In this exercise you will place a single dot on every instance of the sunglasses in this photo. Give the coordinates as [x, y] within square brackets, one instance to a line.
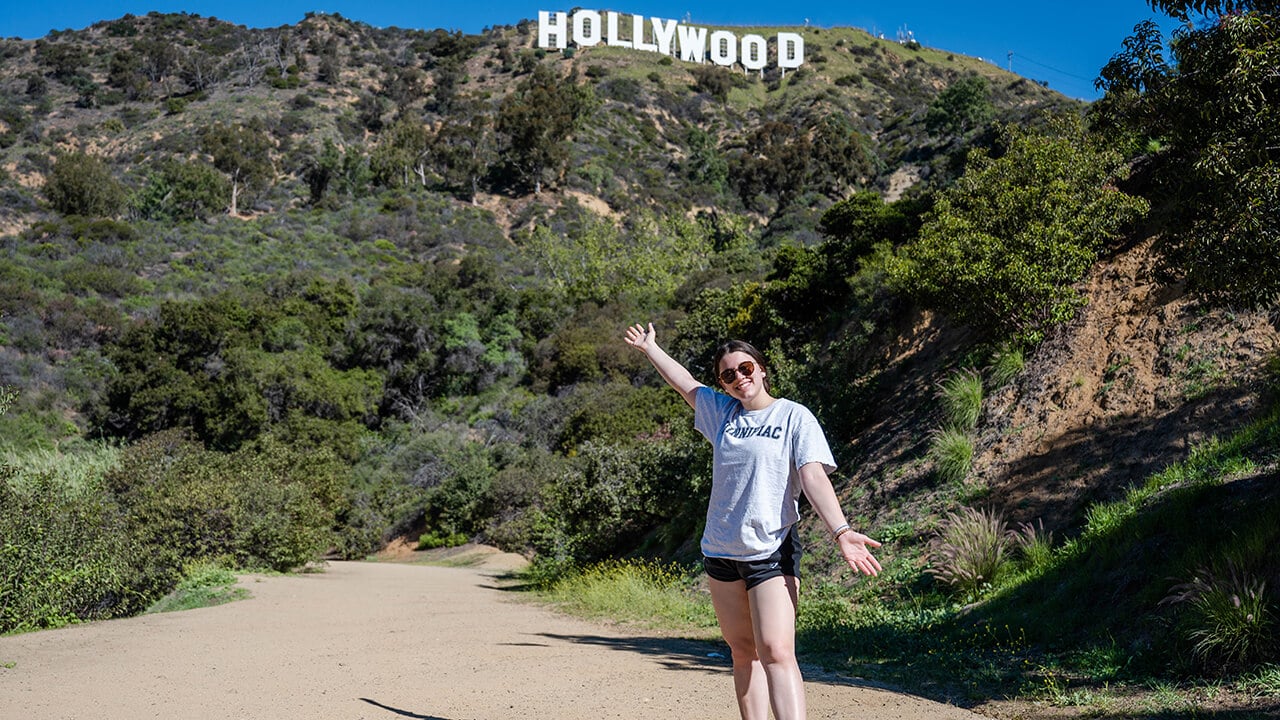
[728, 374]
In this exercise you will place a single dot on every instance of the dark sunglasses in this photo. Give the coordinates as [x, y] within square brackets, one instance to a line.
[728, 374]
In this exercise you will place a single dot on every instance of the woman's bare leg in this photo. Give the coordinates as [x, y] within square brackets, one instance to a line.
[773, 615]
[733, 611]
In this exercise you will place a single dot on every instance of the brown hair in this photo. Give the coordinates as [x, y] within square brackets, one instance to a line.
[738, 346]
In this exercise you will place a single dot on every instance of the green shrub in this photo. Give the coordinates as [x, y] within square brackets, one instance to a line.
[1035, 544]
[970, 555]
[646, 592]
[1003, 246]
[204, 583]
[952, 453]
[263, 506]
[434, 539]
[64, 556]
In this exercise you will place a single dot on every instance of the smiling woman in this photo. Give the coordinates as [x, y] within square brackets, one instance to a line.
[766, 451]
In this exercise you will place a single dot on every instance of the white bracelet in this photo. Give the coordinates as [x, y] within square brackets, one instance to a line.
[841, 530]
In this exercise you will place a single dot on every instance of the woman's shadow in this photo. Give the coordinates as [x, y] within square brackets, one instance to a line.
[402, 713]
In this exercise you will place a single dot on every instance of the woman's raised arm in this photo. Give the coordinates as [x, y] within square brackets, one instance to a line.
[677, 376]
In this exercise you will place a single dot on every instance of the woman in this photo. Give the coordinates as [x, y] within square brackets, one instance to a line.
[766, 451]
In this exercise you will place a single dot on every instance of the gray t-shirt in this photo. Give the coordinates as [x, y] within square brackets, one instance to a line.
[755, 475]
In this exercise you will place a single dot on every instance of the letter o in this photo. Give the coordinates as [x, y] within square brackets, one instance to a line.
[724, 48]
[755, 52]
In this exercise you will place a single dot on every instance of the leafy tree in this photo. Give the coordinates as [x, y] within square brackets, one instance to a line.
[705, 167]
[538, 118]
[181, 190]
[81, 184]
[964, 105]
[1210, 116]
[400, 157]
[243, 152]
[464, 148]
[1002, 247]
[775, 160]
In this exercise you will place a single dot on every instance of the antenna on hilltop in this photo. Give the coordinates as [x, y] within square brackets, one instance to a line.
[1010, 61]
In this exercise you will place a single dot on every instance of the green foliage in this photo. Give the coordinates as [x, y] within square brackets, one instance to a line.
[1215, 171]
[952, 452]
[267, 506]
[1230, 617]
[616, 495]
[537, 119]
[82, 184]
[963, 106]
[971, 551]
[1005, 366]
[205, 583]
[598, 262]
[181, 191]
[65, 556]
[1002, 247]
[1035, 544]
[961, 394]
[646, 593]
[243, 152]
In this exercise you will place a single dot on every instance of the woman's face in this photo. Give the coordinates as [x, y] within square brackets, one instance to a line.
[742, 385]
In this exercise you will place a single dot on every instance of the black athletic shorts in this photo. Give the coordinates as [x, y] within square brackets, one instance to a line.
[784, 561]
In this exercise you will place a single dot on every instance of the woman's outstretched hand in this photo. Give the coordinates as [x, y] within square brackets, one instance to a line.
[856, 549]
[641, 337]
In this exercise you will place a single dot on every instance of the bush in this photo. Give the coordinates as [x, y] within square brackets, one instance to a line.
[65, 554]
[1002, 247]
[264, 506]
[971, 552]
[81, 184]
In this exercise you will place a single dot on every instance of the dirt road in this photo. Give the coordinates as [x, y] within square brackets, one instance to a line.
[385, 641]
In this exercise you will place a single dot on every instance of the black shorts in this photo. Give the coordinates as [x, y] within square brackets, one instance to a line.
[784, 561]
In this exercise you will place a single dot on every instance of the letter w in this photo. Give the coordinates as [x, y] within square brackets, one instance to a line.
[693, 43]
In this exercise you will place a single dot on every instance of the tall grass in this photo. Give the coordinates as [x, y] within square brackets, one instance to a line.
[952, 453]
[79, 468]
[972, 551]
[643, 592]
[961, 394]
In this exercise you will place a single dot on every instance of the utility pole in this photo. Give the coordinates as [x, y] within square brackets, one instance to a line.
[1010, 61]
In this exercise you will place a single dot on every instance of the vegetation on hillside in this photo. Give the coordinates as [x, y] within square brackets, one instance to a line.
[273, 295]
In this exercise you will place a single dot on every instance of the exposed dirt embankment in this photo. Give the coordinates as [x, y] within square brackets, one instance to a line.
[1143, 375]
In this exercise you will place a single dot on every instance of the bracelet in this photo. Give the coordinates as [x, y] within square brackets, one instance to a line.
[840, 531]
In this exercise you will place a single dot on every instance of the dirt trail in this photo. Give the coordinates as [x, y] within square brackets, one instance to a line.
[384, 641]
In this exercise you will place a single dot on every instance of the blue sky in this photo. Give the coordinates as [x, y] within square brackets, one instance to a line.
[1064, 44]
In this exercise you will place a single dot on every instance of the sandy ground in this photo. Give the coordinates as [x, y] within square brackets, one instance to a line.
[384, 641]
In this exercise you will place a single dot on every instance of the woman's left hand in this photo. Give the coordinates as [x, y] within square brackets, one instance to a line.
[856, 549]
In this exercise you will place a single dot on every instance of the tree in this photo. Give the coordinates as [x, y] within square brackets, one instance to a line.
[81, 184]
[964, 105]
[1211, 121]
[1002, 247]
[181, 191]
[401, 154]
[776, 160]
[538, 118]
[243, 152]
[464, 147]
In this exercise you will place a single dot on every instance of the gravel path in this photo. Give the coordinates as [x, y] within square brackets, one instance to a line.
[385, 641]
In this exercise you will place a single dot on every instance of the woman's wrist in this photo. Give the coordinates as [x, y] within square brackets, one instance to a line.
[835, 534]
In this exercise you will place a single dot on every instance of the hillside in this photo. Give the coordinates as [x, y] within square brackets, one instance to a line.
[312, 289]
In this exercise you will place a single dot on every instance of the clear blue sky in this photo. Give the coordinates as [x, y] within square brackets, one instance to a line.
[1062, 43]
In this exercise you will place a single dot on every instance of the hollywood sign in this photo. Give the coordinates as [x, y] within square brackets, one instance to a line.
[587, 28]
